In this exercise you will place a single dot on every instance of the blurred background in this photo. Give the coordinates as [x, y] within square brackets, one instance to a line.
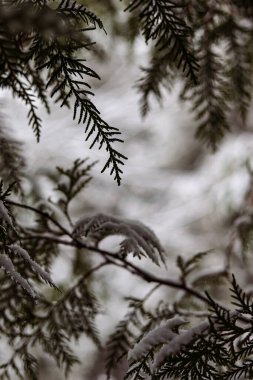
[187, 195]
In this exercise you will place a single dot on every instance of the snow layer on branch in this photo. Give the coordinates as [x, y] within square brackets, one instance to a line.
[4, 214]
[36, 267]
[140, 240]
[160, 335]
[7, 265]
[178, 341]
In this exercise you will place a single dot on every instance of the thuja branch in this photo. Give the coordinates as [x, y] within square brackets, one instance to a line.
[124, 264]
[106, 255]
[42, 327]
[85, 112]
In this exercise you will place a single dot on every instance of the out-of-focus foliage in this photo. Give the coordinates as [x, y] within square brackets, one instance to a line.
[210, 42]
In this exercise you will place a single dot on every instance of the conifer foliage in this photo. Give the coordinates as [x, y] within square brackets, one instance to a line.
[41, 35]
[210, 43]
[162, 22]
[188, 335]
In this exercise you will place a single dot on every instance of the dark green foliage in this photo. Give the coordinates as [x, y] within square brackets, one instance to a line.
[39, 35]
[214, 55]
[70, 72]
[211, 43]
[221, 349]
[241, 299]
[184, 335]
[158, 74]
[50, 323]
[209, 99]
[162, 22]
[239, 54]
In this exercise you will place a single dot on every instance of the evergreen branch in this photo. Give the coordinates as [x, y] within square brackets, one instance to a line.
[38, 84]
[240, 371]
[50, 39]
[223, 316]
[240, 65]
[72, 72]
[23, 91]
[15, 78]
[141, 370]
[51, 333]
[160, 21]
[73, 9]
[118, 261]
[57, 345]
[241, 299]
[245, 350]
[19, 251]
[31, 365]
[210, 96]
[76, 311]
[122, 263]
[158, 74]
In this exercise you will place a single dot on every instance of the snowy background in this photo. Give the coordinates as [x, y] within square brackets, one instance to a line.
[171, 182]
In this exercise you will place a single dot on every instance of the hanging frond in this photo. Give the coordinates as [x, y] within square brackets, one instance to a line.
[72, 71]
[23, 91]
[210, 98]
[239, 61]
[161, 21]
[159, 74]
[38, 35]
